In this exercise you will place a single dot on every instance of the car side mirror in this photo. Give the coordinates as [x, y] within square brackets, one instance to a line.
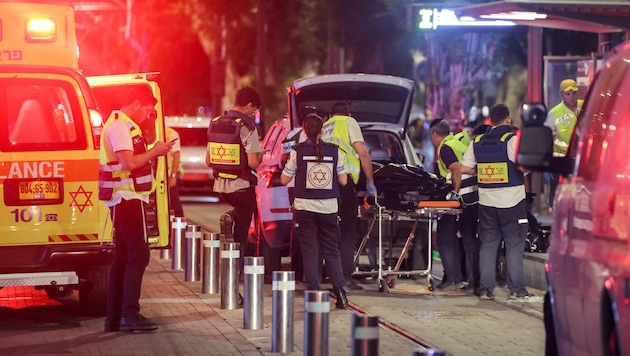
[533, 114]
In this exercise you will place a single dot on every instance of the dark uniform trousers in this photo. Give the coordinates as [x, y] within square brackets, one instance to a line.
[349, 216]
[244, 203]
[468, 230]
[131, 257]
[315, 231]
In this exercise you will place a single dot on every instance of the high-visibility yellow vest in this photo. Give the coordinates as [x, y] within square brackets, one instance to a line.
[564, 120]
[335, 131]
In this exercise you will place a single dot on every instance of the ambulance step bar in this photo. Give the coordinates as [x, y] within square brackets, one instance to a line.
[39, 279]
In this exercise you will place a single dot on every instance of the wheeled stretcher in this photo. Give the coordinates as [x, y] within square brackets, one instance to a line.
[426, 211]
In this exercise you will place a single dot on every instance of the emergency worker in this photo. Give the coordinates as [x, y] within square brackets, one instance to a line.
[344, 131]
[561, 119]
[502, 205]
[175, 170]
[125, 182]
[449, 153]
[318, 174]
[233, 153]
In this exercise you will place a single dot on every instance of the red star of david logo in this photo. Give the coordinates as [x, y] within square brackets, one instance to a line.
[87, 202]
[489, 171]
[221, 151]
[319, 176]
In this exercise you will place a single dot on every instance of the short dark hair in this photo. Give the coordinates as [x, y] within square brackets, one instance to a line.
[440, 126]
[498, 113]
[142, 93]
[247, 95]
[481, 129]
[340, 108]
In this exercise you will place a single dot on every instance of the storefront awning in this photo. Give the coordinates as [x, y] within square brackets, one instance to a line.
[599, 16]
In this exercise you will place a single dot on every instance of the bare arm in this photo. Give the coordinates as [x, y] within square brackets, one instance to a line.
[343, 178]
[131, 161]
[285, 179]
[253, 159]
[172, 178]
[456, 175]
[366, 161]
[466, 170]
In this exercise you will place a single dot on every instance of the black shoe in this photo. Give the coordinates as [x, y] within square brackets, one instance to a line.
[226, 222]
[350, 284]
[240, 300]
[342, 299]
[111, 325]
[137, 323]
[449, 286]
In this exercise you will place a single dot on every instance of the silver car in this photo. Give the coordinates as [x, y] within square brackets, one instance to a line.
[380, 104]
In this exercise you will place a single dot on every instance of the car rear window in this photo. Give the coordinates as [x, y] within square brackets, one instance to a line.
[384, 147]
[371, 103]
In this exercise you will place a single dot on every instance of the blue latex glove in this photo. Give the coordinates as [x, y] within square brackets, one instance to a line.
[370, 189]
[452, 196]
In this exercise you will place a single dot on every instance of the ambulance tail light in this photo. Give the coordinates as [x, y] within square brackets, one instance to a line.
[96, 120]
[41, 30]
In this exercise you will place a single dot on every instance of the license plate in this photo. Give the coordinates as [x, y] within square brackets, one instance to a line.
[39, 190]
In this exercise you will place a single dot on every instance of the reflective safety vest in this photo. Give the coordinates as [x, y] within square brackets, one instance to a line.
[228, 158]
[112, 177]
[335, 131]
[494, 169]
[169, 156]
[316, 179]
[564, 119]
[468, 189]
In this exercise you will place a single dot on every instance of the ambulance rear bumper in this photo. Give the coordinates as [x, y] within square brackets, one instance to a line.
[55, 258]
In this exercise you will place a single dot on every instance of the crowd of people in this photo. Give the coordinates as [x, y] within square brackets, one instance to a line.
[323, 168]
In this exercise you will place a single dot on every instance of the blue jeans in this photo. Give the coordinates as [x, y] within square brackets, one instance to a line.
[509, 224]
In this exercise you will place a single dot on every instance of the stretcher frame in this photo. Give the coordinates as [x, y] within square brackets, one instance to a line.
[429, 211]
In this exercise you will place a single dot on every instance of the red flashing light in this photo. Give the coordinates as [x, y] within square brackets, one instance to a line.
[41, 30]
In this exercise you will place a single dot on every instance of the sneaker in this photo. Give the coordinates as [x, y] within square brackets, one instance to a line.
[443, 284]
[226, 221]
[452, 286]
[521, 296]
[350, 284]
[486, 295]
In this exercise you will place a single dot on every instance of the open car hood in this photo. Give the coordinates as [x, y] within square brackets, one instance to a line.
[372, 98]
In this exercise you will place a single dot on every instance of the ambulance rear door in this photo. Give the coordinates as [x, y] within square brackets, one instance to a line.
[110, 94]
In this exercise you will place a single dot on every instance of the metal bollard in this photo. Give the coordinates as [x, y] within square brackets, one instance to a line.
[193, 253]
[229, 275]
[283, 290]
[364, 335]
[316, 308]
[211, 258]
[178, 227]
[428, 352]
[165, 253]
[254, 270]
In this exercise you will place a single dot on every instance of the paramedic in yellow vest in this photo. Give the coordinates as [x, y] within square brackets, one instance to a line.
[125, 182]
[175, 171]
[344, 131]
[561, 119]
[448, 155]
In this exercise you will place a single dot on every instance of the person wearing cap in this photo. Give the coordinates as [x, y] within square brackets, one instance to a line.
[125, 181]
[561, 119]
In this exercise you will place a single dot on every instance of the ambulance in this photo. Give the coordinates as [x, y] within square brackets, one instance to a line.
[54, 233]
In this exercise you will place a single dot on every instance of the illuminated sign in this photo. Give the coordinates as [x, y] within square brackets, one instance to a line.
[431, 19]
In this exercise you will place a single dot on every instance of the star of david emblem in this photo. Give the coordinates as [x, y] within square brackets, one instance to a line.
[489, 171]
[86, 202]
[319, 176]
[221, 151]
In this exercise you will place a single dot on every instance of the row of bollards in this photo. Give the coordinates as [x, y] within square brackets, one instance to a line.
[187, 246]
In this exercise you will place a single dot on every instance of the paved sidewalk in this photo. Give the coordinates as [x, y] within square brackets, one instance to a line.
[192, 323]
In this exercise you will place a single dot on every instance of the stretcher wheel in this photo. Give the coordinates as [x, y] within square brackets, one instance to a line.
[391, 281]
[382, 284]
[430, 284]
